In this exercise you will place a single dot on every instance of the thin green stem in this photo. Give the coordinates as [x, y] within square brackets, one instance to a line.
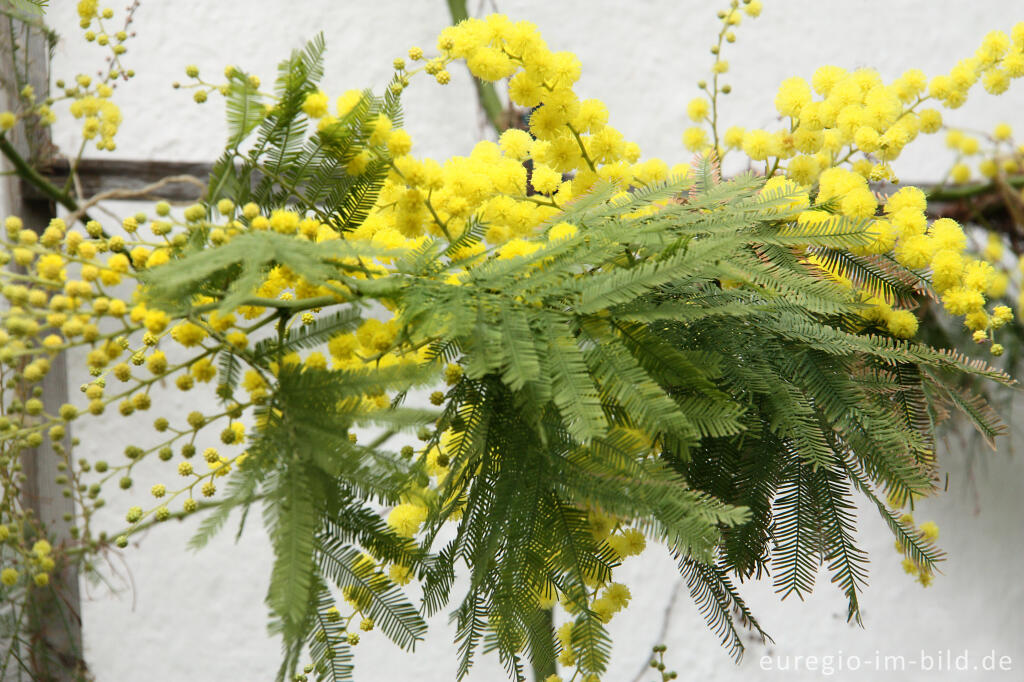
[27, 172]
[967, 191]
[583, 148]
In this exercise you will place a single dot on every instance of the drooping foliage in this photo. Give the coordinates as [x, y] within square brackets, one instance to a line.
[673, 366]
[628, 354]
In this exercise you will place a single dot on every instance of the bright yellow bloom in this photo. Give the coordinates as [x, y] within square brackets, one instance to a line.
[315, 104]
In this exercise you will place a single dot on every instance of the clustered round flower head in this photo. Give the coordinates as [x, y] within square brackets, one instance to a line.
[861, 120]
[928, 532]
[566, 136]
[833, 145]
[89, 97]
[998, 158]
[994, 154]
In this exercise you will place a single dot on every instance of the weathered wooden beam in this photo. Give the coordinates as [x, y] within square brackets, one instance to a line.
[97, 176]
[105, 175]
[54, 613]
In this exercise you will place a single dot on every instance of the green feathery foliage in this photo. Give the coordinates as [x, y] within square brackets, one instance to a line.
[683, 371]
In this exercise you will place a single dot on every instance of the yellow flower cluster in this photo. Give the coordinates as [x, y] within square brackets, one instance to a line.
[996, 154]
[566, 136]
[606, 598]
[860, 119]
[36, 562]
[842, 130]
[90, 98]
[998, 160]
[101, 116]
[66, 300]
[929, 533]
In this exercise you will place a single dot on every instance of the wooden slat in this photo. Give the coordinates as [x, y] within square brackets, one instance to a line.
[54, 624]
[104, 175]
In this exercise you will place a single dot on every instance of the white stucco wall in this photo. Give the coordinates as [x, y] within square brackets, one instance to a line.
[200, 617]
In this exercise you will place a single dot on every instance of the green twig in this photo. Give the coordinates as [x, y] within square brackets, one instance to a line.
[968, 191]
[27, 172]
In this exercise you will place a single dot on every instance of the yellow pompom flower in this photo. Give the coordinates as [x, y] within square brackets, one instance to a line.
[155, 321]
[517, 248]
[380, 130]
[698, 108]
[545, 179]
[803, 169]
[254, 384]
[783, 186]
[695, 139]
[969, 145]
[858, 204]
[977, 320]
[909, 221]
[1001, 314]
[807, 140]
[978, 275]
[119, 263]
[188, 334]
[826, 77]
[947, 269]
[358, 163]
[51, 267]
[961, 300]
[515, 143]
[733, 137]
[915, 251]
[238, 339]
[930, 531]
[906, 197]
[399, 143]
[407, 518]
[400, 575]
[996, 81]
[348, 101]
[315, 104]
[9, 577]
[947, 234]
[157, 362]
[561, 231]
[930, 120]
[284, 221]
[901, 323]
[592, 117]
[997, 288]
[758, 144]
[342, 346]
[793, 95]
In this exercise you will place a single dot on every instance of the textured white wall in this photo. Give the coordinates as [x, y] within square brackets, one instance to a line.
[200, 617]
